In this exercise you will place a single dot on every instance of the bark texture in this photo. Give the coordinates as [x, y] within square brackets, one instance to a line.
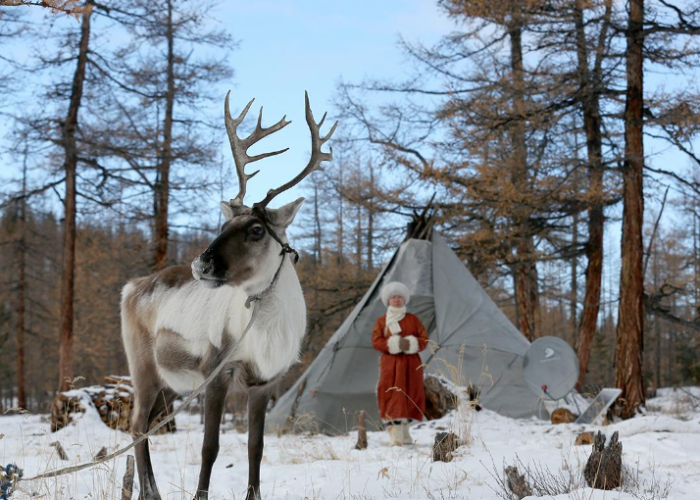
[162, 191]
[628, 355]
[589, 83]
[69, 143]
[526, 279]
[21, 293]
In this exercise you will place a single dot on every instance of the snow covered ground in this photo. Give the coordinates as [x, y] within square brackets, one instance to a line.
[661, 452]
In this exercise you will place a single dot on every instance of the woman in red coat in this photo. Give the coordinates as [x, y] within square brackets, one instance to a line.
[400, 336]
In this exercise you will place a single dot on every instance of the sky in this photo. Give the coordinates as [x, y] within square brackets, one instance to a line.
[287, 47]
[284, 48]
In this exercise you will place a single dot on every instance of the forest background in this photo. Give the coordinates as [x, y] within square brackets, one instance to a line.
[557, 139]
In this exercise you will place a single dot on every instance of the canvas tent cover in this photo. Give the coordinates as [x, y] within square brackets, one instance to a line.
[471, 341]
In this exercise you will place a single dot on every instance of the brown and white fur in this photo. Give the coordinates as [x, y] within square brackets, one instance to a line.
[177, 323]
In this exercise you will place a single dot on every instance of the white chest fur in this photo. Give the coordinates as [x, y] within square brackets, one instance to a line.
[202, 316]
[274, 340]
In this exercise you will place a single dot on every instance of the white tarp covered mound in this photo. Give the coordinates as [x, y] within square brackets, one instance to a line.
[471, 341]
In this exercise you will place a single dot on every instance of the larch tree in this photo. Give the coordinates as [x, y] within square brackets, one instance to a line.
[479, 127]
[591, 86]
[661, 34]
[68, 143]
[158, 102]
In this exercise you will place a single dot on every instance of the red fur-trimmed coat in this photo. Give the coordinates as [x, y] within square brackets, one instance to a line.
[400, 369]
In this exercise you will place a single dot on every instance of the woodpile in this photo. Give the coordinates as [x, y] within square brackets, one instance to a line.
[113, 401]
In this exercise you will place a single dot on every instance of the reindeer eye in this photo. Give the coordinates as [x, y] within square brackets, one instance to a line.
[256, 231]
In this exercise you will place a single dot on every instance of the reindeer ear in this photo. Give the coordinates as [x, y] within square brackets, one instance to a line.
[226, 210]
[232, 210]
[284, 216]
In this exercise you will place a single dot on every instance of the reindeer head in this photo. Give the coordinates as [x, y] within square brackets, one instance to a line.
[247, 251]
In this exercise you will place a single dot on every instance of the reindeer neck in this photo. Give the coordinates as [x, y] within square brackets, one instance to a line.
[267, 292]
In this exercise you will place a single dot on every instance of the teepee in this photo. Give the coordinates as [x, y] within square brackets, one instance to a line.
[471, 341]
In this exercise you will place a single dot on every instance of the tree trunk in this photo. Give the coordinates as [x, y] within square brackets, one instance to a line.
[573, 305]
[589, 89]
[21, 291]
[340, 218]
[65, 349]
[370, 219]
[630, 325]
[657, 326]
[358, 239]
[163, 185]
[526, 281]
[317, 223]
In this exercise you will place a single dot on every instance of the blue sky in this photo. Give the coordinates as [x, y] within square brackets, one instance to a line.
[287, 47]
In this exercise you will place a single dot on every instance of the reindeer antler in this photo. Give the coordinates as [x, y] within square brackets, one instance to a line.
[239, 147]
[317, 156]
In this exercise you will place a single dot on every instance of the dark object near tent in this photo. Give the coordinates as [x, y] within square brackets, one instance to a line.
[471, 341]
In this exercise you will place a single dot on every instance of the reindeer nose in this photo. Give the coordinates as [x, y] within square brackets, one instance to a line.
[205, 266]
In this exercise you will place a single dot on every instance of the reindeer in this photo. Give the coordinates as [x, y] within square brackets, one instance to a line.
[179, 324]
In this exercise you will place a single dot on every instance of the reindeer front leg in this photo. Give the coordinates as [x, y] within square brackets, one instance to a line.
[214, 400]
[257, 405]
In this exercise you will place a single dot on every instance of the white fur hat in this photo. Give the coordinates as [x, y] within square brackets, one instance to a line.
[395, 288]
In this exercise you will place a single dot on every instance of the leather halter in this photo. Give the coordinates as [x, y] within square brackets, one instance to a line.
[262, 215]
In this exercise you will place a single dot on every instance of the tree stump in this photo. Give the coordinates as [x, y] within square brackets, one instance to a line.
[562, 416]
[361, 432]
[128, 481]
[517, 483]
[438, 399]
[604, 467]
[445, 444]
